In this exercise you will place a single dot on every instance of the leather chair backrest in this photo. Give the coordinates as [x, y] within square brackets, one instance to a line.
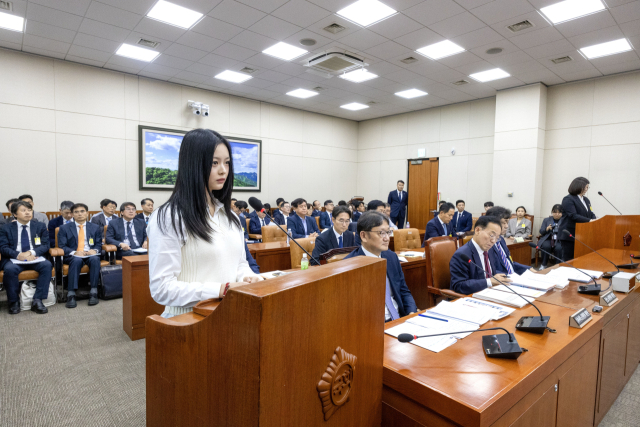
[52, 214]
[296, 253]
[466, 239]
[406, 239]
[318, 222]
[272, 233]
[248, 220]
[473, 225]
[438, 253]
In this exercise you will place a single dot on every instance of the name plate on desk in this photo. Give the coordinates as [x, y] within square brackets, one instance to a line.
[608, 299]
[579, 318]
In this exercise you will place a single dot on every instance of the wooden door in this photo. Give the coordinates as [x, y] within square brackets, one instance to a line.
[633, 341]
[614, 350]
[422, 187]
[542, 413]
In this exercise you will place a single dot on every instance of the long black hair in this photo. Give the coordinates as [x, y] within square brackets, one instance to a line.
[188, 202]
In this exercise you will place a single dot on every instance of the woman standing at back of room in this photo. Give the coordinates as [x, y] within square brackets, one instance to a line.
[196, 249]
[576, 208]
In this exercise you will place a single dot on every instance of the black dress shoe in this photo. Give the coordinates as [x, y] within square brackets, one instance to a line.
[38, 307]
[71, 302]
[14, 307]
[93, 299]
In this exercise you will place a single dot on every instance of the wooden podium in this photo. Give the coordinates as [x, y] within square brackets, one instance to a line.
[608, 232]
[303, 349]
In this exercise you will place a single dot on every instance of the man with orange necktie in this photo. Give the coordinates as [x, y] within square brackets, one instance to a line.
[81, 242]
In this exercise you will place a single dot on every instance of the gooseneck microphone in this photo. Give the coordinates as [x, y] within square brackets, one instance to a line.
[600, 193]
[608, 274]
[584, 289]
[534, 324]
[502, 346]
[258, 206]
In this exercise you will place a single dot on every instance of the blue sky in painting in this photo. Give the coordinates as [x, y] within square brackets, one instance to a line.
[162, 149]
[245, 157]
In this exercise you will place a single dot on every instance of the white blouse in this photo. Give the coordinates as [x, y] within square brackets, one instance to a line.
[185, 272]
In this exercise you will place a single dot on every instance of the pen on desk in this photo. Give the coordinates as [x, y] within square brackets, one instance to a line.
[434, 318]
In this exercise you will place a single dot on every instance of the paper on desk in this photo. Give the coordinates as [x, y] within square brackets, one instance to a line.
[414, 254]
[498, 311]
[273, 274]
[502, 297]
[402, 259]
[529, 282]
[534, 293]
[444, 325]
[35, 261]
[435, 344]
[558, 282]
[87, 256]
[574, 275]
[140, 251]
[471, 314]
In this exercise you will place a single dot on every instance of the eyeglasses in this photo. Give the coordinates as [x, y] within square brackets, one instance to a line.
[343, 221]
[493, 236]
[130, 209]
[382, 233]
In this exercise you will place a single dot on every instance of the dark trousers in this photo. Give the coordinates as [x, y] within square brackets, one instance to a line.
[120, 253]
[11, 272]
[546, 246]
[399, 219]
[567, 249]
[76, 264]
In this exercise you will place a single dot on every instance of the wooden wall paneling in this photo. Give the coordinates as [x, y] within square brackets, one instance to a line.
[613, 354]
[137, 302]
[542, 413]
[607, 232]
[433, 196]
[415, 275]
[633, 340]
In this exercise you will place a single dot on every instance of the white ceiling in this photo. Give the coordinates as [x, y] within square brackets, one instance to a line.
[233, 34]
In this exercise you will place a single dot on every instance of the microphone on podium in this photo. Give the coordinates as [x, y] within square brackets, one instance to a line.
[258, 206]
[502, 346]
[606, 275]
[600, 193]
[583, 289]
[534, 324]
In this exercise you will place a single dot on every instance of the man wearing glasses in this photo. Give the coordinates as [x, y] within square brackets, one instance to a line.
[374, 232]
[127, 233]
[336, 236]
[467, 278]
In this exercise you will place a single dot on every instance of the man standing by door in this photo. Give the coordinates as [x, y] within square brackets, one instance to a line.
[398, 201]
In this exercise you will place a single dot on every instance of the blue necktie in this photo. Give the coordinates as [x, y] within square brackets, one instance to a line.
[24, 239]
[505, 261]
[340, 242]
[132, 243]
[389, 302]
[304, 224]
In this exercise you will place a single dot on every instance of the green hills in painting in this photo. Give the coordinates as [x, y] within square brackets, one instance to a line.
[166, 176]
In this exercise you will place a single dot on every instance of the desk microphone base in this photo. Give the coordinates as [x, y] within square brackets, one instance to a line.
[533, 324]
[589, 289]
[500, 347]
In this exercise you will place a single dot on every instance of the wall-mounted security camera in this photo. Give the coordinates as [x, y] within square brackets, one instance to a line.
[196, 107]
[205, 110]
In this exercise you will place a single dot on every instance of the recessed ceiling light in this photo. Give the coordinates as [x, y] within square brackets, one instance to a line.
[233, 76]
[135, 52]
[302, 93]
[605, 49]
[175, 15]
[487, 76]
[285, 51]
[354, 106]
[571, 9]
[440, 50]
[411, 93]
[357, 76]
[367, 12]
[11, 22]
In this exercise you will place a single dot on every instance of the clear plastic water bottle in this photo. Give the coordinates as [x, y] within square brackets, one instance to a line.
[288, 237]
[304, 264]
[408, 226]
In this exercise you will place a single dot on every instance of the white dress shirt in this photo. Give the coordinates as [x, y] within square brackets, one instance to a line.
[583, 202]
[86, 241]
[338, 236]
[19, 247]
[133, 233]
[484, 268]
[387, 315]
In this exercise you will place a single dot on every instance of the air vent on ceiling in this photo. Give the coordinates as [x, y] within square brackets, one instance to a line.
[6, 5]
[371, 103]
[409, 60]
[460, 82]
[248, 70]
[335, 62]
[562, 59]
[319, 89]
[334, 28]
[148, 43]
[519, 26]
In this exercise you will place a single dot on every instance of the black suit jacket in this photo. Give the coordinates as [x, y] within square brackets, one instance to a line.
[53, 224]
[573, 212]
[9, 240]
[68, 237]
[141, 217]
[327, 241]
[115, 232]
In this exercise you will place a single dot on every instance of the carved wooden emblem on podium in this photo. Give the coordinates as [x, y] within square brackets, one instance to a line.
[626, 239]
[335, 386]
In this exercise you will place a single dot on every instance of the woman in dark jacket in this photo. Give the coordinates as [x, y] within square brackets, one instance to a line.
[575, 208]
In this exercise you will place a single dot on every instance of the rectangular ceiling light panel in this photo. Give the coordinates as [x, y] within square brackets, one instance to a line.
[135, 52]
[11, 22]
[606, 49]
[354, 106]
[173, 14]
[487, 76]
[367, 12]
[284, 51]
[358, 76]
[302, 93]
[411, 93]
[440, 50]
[233, 76]
[571, 9]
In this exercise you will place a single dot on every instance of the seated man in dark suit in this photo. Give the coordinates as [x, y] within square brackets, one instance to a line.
[373, 205]
[24, 240]
[80, 239]
[500, 249]
[147, 210]
[462, 220]
[358, 207]
[258, 220]
[283, 218]
[300, 224]
[549, 241]
[238, 207]
[317, 210]
[65, 217]
[336, 236]
[441, 224]
[467, 278]
[107, 215]
[326, 218]
[278, 212]
[127, 233]
[37, 216]
[374, 232]
[252, 262]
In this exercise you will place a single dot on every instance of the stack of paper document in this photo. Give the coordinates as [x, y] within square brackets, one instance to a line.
[466, 313]
[435, 344]
[414, 254]
[497, 311]
[273, 274]
[35, 261]
[567, 273]
[533, 293]
[559, 282]
[502, 297]
[529, 282]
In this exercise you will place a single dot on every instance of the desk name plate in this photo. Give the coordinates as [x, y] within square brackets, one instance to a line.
[579, 318]
[608, 299]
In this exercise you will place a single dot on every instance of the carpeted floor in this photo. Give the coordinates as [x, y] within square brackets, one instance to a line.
[78, 368]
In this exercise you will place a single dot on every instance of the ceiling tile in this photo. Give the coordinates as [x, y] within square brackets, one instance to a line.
[581, 75]
[504, 83]
[134, 37]
[11, 37]
[543, 75]
[586, 24]
[383, 68]
[129, 63]
[141, 7]
[455, 95]
[201, 6]
[185, 52]
[549, 49]
[173, 62]
[193, 77]
[219, 61]
[301, 13]
[159, 29]
[199, 41]
[97, 43]
[318, 26]
[631, 28]
[203, 69]
[511, 59]
[85, 61]
[431, 11]
[472, 4]
[43, 52]
[46, 44]
[266, 6]
[102, 30]
[390, 49]
[395, 26]
[161, 70]
[620, 68]
[50, 32]
[253, 41]
[619, 58]
[260, 83]
[475, 67]
[627, 12]
[459, 60]
[237, 13]
[402, 76]
[53, 17]
[418, 39]
[291, 69]
[121, 68]
[275, 28]
[595, 37]
[233, 51]
[263, 61]
[155, 76]
[534, 17]
[477, 38]
[499, 10]
[217, 29]
[114, 16]
[506, 46]
[363, 39]
[457, 25]
[321, 41]
[536, 38]
[85, 52]
[76, 7]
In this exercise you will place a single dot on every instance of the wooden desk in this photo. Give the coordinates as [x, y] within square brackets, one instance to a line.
[137, 303]
[271, 256]
[520, 252]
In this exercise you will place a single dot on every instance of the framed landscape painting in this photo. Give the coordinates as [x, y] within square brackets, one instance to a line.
[159, 150]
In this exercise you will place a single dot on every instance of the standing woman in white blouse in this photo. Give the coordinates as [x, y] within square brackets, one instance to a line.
[196, 243]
